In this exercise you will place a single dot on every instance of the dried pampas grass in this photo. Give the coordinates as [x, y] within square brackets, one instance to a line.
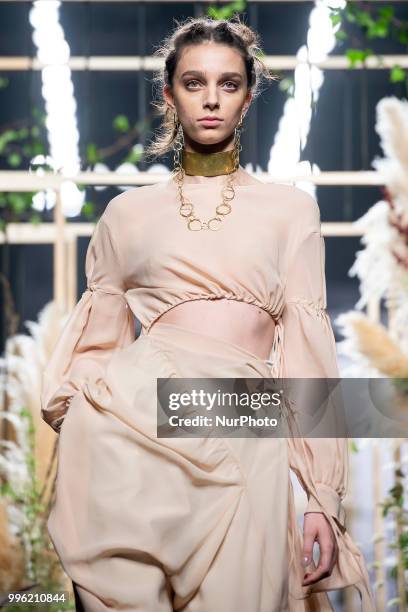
[382, 266]
[21, 369]
[20, 387]
[12, 564]
[373, 341]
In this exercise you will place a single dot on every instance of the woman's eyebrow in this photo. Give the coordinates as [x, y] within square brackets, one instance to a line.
[201, 74]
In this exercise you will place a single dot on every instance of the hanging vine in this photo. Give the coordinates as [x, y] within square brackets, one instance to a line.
[366, 21]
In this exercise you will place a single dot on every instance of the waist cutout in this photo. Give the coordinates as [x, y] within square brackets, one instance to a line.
[177, 335]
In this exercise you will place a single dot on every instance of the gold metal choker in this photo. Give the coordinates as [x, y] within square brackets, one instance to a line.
[208, 164]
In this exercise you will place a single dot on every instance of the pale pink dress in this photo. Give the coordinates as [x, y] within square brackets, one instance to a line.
[201, 525]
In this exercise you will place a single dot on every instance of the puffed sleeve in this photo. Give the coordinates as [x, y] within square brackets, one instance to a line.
[320, 464]
[100, 324]
[305, 348]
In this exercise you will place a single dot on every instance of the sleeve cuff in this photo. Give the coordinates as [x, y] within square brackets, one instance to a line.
[330, 501]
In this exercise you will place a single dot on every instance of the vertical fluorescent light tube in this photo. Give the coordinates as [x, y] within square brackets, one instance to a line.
[294, 125]
[60, 105]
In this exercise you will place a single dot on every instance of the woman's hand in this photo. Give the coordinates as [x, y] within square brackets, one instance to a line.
[317, 527]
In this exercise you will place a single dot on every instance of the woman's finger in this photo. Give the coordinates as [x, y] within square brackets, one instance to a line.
[327, 550]
[309, 537]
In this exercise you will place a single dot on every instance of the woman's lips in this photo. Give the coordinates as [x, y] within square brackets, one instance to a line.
[210, 122]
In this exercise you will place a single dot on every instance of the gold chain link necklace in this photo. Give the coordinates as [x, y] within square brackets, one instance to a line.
[211, 164]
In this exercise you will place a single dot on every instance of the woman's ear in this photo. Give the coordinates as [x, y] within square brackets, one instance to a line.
[248, 100]
[168, 97]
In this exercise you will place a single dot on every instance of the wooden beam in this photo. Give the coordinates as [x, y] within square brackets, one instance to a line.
[149, 63]
[21, 180]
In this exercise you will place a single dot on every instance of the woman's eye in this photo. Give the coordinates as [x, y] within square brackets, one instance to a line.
[232, 83]
[226, 82]
[189, 82]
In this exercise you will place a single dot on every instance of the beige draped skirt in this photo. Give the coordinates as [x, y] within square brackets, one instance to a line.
[161, 524]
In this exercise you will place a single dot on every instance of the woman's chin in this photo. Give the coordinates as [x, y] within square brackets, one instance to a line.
[208, 137]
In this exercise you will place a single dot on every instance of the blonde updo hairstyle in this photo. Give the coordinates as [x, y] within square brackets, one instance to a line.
[194, 31]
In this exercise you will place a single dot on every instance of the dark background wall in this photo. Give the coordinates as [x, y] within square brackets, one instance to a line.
[342, 137]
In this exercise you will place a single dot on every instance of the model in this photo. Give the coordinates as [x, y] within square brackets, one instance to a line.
[226, 276]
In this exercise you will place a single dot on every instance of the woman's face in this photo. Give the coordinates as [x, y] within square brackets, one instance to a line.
[210, 80]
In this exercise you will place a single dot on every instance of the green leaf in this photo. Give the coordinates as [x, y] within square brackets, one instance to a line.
[121, 123]
[403, 34]
[386, 508]
[14, 159]
[358, 55]
[92, 154]
[17, 203]
[393, 572]
[228, 11]
[35, 131]
[135, 154]
[5, 138]
[88, 210]
[35, 219]
[341, 35]
[403, 540]
[386, 12]
[396, 490]
[349, 13]
[378, 30]
[335, 18]
[27, 149]
[38, 148]
[364, 19]
[5, 489]
[397, 75]
[23, 133]
[355, 56]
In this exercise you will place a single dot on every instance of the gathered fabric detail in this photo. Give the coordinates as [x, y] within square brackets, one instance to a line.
[273, 311]
[316, 308]
[100, 324]
[104, 289]
[277, 355]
